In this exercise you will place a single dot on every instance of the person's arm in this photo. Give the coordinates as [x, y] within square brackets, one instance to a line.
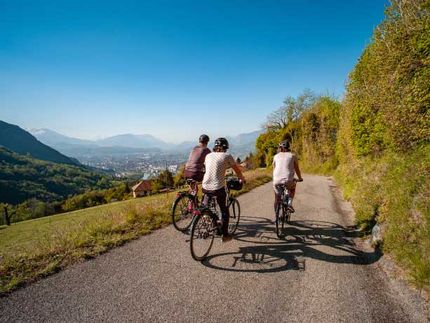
[297, 169]
[238, 172]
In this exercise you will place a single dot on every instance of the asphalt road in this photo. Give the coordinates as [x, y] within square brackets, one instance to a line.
[318, 273]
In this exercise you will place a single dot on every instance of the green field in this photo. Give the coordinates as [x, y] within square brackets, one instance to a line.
[36, 248]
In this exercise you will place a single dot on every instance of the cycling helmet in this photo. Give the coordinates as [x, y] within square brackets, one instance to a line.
[221, 142]
[284, 144]
[204, 139]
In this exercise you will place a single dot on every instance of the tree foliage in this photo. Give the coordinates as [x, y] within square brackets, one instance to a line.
[388, 94]
[23, 178]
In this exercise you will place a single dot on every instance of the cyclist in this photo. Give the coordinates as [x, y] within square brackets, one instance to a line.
[195, 168]
[217, 163]
[285, 166]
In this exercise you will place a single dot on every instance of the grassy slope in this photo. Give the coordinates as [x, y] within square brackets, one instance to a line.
[36, 248]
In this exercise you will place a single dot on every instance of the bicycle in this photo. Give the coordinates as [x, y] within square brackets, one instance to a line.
[184, 207]
[283, 209]
[206, 223]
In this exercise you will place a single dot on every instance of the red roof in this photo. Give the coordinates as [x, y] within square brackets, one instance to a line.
[145, 185]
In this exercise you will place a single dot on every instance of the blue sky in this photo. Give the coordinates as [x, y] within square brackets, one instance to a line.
[173, 69]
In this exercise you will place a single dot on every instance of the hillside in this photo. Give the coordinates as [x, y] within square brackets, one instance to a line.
[20, 141]
[24, 177]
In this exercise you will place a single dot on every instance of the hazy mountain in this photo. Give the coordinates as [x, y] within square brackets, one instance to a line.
[133, 141]
[54, 139]
[80, 151]
[245, 138]
[22, 142]
[116, 145]
[240, 145]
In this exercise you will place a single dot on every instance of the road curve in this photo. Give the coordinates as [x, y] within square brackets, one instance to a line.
[316, 274]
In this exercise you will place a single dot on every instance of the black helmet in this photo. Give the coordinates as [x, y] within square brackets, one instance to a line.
[284, 144]
[221, 142]
[204, 139]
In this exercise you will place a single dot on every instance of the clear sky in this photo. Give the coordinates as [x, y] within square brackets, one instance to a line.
[173, 69]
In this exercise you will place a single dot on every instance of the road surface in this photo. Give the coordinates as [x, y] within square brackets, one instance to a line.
[317, 274]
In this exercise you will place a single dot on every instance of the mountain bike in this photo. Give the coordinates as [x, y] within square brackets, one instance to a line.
[206, 224]
[283, 209]
[184, 207]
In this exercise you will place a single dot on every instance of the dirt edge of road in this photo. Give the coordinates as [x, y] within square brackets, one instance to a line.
[396, 275]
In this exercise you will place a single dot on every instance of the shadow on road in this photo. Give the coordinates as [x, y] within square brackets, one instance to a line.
[325, 241]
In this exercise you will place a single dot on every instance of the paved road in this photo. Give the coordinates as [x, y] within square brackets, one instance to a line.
[317, 274]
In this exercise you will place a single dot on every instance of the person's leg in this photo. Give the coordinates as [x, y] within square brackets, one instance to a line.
[221, 197]
[198, 178]
[292, 189]
[277, 190]
[291, 192]
[206, 193]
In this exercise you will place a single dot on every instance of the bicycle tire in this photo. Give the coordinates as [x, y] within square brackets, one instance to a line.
[281, 219]
[234, 210]
[203, 230]
[183, 212]
[284, 219]
[277, 221]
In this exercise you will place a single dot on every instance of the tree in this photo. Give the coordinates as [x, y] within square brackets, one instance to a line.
[165, 179]
[290, 111]
[179, 178]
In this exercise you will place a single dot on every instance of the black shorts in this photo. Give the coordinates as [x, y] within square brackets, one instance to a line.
[197, 176]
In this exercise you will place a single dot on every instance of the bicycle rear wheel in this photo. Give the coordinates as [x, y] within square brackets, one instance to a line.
[182, 212]
[203, 232]
[280, 220]
[234, 210]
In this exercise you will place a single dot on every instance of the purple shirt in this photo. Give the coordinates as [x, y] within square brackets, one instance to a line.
[196, 160]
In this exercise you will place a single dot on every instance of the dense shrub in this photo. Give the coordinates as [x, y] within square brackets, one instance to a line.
[377, 139]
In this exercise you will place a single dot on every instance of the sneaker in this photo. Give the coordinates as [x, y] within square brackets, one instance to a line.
[227, 238]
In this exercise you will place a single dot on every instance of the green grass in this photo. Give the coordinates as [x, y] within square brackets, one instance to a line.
[36, 248]
[394, 191]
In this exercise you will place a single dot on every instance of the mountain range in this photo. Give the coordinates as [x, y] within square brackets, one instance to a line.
[240, 145]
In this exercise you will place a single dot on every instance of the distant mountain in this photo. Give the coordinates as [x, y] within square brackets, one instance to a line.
[240, 145]
[20, 141]
[53, 139]
[78, 151]
[133, 141]
[245, 138]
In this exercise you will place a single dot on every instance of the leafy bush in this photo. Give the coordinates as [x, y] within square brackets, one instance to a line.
[377, 139]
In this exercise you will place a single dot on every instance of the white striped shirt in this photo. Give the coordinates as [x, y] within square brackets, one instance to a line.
[216, 164]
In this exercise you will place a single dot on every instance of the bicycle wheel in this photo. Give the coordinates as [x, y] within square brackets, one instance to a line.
[182, 212]
[280, 220]
[234, 210]
[287, 214]
[202, 235]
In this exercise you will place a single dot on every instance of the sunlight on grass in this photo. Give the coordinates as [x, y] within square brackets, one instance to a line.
[36, 248]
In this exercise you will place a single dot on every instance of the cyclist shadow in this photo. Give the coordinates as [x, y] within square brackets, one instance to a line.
[320, 240]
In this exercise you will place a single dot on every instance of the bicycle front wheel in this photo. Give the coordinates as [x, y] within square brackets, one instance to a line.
[182, 212]
[202, 235]
[234, 210]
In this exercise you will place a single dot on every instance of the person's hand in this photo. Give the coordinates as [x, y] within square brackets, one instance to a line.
[300, 179]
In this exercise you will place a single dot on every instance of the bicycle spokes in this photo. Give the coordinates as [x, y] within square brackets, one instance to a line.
[202, 236]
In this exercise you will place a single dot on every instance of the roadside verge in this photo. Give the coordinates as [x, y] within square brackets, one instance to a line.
[33, 249]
